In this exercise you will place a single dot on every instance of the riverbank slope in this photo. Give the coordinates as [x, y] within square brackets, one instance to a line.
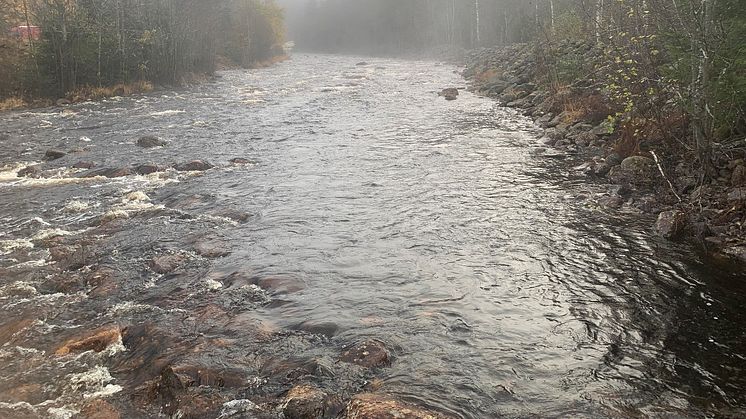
[646, 164]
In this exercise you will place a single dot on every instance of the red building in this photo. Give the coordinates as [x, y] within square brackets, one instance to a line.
[26, 32]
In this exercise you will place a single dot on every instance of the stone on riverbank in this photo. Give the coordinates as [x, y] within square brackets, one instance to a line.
[671, 224]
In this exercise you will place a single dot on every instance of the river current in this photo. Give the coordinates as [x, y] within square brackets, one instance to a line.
[371, 208]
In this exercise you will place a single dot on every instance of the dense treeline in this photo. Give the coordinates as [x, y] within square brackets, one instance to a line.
[108, 42]
[660, 61]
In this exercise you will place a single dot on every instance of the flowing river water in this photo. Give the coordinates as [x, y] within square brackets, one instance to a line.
[368, 208]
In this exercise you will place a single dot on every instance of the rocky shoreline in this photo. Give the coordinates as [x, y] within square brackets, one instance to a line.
[644, 178]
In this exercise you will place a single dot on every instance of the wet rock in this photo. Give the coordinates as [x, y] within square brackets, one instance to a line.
[736, 195]
[368, 354]
[203, 376]
[109, 172]
[281, 284]
[556, 134]
[99, 409]
[166, 264]
[362, 63]
[212, 249]
[54, 155]
[240, 160]
[34, 172]
[374, 406]
[69, 257]
[84, 165]
[96, 342]
[450, 93]
[147, 168]
[194, 166]
[671, 224]
[150, 141]
[308, 402]
[63, 102]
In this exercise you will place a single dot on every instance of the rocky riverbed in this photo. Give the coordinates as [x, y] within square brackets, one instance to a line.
[332, 238]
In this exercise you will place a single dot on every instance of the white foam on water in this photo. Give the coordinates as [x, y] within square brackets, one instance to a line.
[85, 139]
[31, 264]
[168, 112]
[137, 196]
[18, 287]
[213, 285]
[54, 232]
[9, 246]
[95, 382]
[131, 307]
[9, 172]
[76, 206]
[114, 348]
[61, 412]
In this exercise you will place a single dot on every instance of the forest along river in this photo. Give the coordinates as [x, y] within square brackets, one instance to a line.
[367, 207]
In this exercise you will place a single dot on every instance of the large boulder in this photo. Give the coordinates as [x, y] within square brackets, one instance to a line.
[671, 224]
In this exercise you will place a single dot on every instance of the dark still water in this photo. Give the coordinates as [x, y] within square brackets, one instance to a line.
[369, 208]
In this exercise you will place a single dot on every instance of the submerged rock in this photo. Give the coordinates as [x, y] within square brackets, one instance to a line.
[240, 160]
[54, 155]
[150, 141]
[84, 165]
[167, 263]
[374, 406]
[671, 224]
[194, 166]
[147, 168]
[369, 354]
[212, 249]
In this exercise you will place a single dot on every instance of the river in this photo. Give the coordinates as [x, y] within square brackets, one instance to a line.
[367, 208]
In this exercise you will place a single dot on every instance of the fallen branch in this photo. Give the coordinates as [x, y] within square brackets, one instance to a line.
[660, 169]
